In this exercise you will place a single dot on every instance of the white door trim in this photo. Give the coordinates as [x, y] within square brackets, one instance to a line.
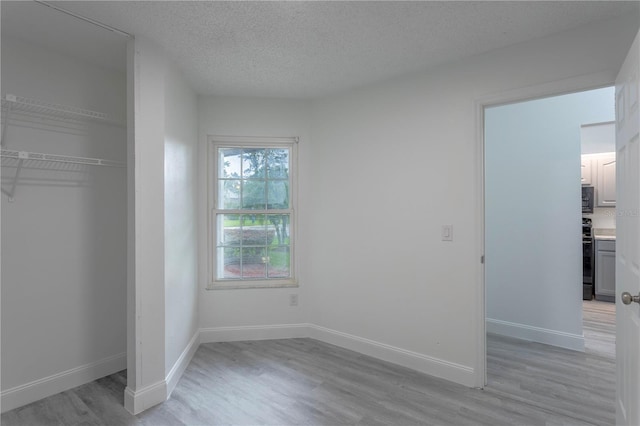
[554, 88]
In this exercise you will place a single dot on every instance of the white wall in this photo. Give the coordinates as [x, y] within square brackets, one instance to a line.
[391, 164]
[533, 215]
[394, 162]
[180, 216]
[146, 385]
[255, 117]
[163, 304]
[64, 236]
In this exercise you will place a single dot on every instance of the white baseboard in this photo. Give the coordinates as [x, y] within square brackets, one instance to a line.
[251, 332]
[181, 364]
[42, 388]
[432, 366]
[139, 400]
[156, 393]
[536, 334]
[423, 363]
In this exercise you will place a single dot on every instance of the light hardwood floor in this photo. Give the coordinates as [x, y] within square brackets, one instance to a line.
[304, 381]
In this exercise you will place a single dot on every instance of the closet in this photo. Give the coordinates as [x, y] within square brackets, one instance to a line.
[63, 208]
[40, 114]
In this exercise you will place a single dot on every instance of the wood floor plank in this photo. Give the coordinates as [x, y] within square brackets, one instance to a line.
[304, 381]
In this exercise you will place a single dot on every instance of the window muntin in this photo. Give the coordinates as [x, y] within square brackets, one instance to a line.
[252, 214]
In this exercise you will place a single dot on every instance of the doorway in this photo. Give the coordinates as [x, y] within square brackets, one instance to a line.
[536, 321]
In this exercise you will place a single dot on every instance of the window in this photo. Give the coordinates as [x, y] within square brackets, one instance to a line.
[252, 215]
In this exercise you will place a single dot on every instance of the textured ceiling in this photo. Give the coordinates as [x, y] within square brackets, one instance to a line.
[314, 48]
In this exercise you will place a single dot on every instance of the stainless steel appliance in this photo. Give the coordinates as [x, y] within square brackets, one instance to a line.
[587, 259]
[587, 199]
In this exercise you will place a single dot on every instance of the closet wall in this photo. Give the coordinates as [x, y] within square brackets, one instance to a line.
[64, 235]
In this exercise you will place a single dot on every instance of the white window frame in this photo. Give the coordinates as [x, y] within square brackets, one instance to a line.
[215, 142]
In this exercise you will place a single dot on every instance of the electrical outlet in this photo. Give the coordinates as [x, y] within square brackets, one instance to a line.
[293, 300]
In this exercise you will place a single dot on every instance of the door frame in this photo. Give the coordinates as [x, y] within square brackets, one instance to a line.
[555, 88]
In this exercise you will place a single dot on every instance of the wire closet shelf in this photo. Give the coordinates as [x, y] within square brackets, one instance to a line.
[12, 104]
[37, 156]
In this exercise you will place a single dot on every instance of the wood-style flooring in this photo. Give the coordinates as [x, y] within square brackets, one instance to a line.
[599, 327]
[304, 381]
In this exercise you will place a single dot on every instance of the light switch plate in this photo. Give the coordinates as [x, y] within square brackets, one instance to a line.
[447, 232]
[293, 299]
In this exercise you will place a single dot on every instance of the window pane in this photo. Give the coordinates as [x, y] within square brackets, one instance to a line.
[279, 262]
[231, 261]
[253, 163]
[278, 163]
[229, 191]
[254, 243]
[254, 230]
[279, 223]
[254, 262]
[229, 163]
[228, 230]
[253, 195]
[278, 194]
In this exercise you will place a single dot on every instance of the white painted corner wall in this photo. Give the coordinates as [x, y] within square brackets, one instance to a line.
[256, 117]
[181, 205]
[259, 314]
[166, 202]
[146, 305]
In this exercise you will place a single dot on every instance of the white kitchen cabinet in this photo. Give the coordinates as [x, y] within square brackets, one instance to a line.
[586, 169]
[605, 273]
[606, 180]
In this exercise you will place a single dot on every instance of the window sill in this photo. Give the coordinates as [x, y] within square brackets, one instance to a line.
[238, 285]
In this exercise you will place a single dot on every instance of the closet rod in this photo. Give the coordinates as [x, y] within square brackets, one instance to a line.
[84, 18]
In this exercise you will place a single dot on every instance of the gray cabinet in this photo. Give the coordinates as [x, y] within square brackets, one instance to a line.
[605, 280]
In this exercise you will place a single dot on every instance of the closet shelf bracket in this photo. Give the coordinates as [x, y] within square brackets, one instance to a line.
[5, 123]
[12, 192]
